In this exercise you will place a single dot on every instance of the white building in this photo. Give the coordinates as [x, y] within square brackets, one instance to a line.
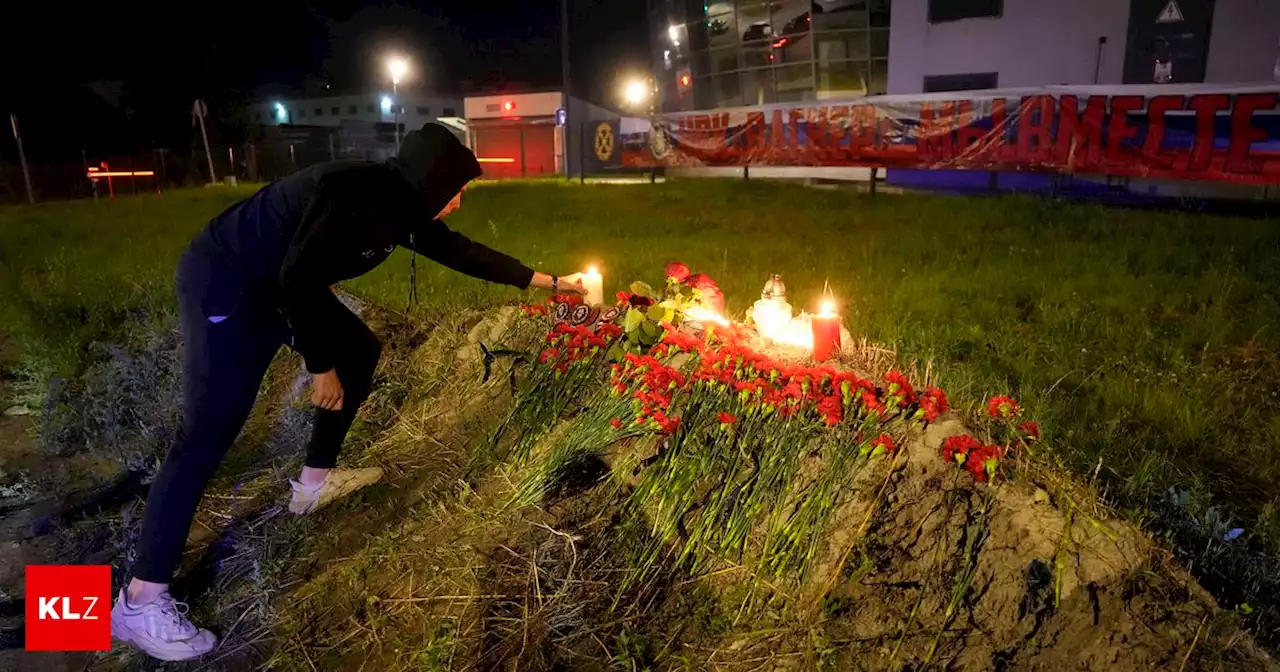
[941, 45]
[378, 107]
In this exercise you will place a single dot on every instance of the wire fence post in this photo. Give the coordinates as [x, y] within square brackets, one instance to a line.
[582, 153]
[22, 158]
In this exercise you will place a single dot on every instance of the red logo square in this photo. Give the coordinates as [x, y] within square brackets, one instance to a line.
[68, 607]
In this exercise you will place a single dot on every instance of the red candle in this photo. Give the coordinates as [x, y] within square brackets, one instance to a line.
[826, 333]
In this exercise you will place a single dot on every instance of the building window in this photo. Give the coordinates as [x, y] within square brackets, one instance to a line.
[941, 11]
[424, 110]
[962, 82]
[335, 110]
[319, 111]
[840, 15]
[794, 83]
[844, 77]
[257, 115]
[450, 112]
[353, 109]
[757, 87]
[718, 25]
[302, 112]
[841, 46]
[370, 108]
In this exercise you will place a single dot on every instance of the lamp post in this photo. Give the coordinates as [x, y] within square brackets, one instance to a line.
[396, 67]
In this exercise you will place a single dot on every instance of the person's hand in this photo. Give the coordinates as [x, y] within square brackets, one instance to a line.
[327, 391]
[569, 284]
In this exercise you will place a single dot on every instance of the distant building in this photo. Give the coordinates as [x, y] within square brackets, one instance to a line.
[524, 134]
[379, 107]
[729, 53]
[950, 45]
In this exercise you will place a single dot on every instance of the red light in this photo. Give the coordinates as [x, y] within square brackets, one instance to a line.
[94, 174]
[684, 80]
[780, 43]
[508, 106]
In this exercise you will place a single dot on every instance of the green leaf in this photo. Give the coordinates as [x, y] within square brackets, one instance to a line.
[633, 320]
[657, 313]
[651, 328]
[641, 289]
[616, 352]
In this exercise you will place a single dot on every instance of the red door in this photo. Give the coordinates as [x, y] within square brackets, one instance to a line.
[499, 152]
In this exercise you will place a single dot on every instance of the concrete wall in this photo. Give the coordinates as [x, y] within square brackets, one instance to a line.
[1035, 42]
[1245, 41]
[1038, 42]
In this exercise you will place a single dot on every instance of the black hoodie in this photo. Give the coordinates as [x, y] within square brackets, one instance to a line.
[284, 246]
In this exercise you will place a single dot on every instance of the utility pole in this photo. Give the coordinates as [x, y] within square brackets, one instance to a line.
[567, 127]
[22, 157]
[199, 110]
[564, 53]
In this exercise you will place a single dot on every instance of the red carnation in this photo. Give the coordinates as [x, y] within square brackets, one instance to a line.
[934, 403]
[983, 462]
[899, 386]
[726, 418]
[1030, 430]
[617, 424]
[1002, 406]
[678, 271]
[831, 409]
[883, 443]
[957, 448]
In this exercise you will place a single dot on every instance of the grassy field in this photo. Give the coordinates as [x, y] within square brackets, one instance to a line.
[1145, 343]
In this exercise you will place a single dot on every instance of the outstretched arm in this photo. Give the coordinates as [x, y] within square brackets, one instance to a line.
[443, 245]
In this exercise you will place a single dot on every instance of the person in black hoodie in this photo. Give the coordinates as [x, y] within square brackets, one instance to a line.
[259, 277]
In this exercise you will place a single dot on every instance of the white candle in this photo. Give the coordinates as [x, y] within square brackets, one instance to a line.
[594, 283]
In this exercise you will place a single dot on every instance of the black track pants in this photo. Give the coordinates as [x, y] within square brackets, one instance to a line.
[223, 367]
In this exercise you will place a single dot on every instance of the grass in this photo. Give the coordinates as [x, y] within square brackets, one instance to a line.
[1144, 342]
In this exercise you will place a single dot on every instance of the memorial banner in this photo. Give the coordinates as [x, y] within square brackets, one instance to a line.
[1198, 132]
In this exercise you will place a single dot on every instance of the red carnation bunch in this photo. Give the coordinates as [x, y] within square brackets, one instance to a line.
[726, 419]
[975, 458]
[568, 345]
[1030, 431]
[678, 271]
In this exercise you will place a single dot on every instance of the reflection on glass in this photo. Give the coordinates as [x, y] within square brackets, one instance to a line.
[723, 60]
[830, 14]
[880, 44]
[841, 46]
[757, 55]
[757, 87]
[753, 20]
[844, 78]
[719, 23]
[727, 90]
[794, 78]
[879, 77]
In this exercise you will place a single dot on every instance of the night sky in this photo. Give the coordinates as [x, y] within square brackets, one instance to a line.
[149, 60]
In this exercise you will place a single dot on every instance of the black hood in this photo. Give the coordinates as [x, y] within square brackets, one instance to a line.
[437, 164]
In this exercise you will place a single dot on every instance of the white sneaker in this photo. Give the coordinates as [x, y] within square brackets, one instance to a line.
[338, 484]
[160, 629]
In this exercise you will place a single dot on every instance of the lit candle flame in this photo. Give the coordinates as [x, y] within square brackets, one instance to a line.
[591, 270]
[701, 314]
[827, 309]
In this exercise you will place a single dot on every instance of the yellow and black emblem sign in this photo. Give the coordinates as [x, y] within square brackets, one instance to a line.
[604, 141]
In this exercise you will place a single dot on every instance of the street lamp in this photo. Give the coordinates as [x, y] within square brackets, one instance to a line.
[396, 67]
[638, 93]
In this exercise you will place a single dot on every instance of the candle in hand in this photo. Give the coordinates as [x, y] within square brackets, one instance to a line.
[826, 332]
[594, 284]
